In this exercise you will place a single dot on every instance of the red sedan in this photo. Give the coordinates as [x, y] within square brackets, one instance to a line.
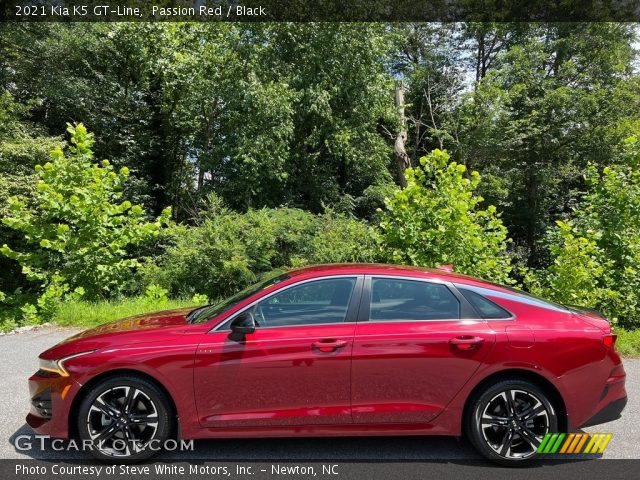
[337, 350]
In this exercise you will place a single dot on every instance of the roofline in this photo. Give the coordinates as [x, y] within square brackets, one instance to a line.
[362, 268]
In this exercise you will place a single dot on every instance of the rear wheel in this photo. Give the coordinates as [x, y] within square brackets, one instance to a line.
[125, 418]
[508, 420]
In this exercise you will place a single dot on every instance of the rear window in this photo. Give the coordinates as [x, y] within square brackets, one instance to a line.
[485, 307]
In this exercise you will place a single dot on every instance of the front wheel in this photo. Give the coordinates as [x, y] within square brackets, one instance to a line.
[508, 420]
[125, 419]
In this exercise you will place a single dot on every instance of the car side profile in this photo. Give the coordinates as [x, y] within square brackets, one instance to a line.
[337, 350]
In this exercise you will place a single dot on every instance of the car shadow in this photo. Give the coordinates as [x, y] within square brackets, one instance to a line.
[409, 449]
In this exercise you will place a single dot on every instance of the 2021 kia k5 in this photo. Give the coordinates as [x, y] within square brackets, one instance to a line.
[337, 350]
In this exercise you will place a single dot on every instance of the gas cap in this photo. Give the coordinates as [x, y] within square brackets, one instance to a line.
[520, 336]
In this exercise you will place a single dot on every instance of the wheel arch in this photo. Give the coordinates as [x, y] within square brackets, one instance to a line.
[77, 399]
[521, 374]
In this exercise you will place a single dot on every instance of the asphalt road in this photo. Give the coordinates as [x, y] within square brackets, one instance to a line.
[19, 361]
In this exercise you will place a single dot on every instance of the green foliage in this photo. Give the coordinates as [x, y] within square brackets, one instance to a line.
[628, 342]
[77, 226]
[551, 102]
[22, 146]
[579, 272]
[340, 240]
[199, 299]
[302, 115]
[438, 219]
[230, 250]
[7, 323]
[596, 253]
[81, 313]
[343, 95]
[156, 294]
[263, 114]
[371, 203]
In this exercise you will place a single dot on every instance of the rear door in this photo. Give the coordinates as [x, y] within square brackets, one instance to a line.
[416, 344]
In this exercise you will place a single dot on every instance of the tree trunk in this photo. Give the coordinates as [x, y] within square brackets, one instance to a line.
[200, 178]
[158, 163]
[402, 159]
[532, 220]
[480, 59]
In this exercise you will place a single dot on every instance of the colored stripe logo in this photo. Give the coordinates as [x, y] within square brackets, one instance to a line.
[574, 443]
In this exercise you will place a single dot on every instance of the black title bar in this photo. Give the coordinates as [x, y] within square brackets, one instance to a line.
[319, 10]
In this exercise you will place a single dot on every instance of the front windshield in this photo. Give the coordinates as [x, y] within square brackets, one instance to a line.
[202, 314]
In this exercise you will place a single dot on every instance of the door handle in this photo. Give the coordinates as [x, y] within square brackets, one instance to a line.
[466, 342]
[328, 345]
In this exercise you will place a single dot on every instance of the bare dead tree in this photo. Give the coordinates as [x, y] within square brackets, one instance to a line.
[402, 158]
[428, 96]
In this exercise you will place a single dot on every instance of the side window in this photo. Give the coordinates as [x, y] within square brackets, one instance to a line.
[312, 303]
[398, 300]
[485, 307]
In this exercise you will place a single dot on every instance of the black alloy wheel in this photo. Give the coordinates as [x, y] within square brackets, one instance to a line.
[508, 421]
[126, 419]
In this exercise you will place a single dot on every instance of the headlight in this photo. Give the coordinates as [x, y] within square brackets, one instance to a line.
[57, 366]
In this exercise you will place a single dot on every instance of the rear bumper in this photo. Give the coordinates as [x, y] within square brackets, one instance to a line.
[608, 413]
[594, 388]
[612, 399]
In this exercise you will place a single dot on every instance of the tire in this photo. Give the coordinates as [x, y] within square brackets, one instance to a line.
[506, 421]
[125, 418]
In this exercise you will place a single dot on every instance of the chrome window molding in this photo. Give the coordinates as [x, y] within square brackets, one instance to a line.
[221, 326]
[487, 291]
[437, 281]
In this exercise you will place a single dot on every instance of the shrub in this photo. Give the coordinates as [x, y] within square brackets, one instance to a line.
[579, 270]
[438, 219]
[78, 229]
[596, 253]
[230, 250]
[22, 146]
[155, 294]
[341, 240]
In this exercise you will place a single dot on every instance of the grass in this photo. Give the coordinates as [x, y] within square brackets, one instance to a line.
[628, 343]
[87, 314]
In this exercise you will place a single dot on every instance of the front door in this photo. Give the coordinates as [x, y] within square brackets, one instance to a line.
[294, 370]
[413, 352]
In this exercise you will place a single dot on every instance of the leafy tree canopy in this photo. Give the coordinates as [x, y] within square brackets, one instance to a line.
[439, 219]
[77, 226]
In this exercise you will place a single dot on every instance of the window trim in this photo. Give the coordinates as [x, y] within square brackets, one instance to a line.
[477, 291]
[352, 308]
[467, 312]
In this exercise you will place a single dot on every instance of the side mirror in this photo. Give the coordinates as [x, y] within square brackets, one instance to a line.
[241, 326]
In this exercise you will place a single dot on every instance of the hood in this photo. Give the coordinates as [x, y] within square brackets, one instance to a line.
[144, 328]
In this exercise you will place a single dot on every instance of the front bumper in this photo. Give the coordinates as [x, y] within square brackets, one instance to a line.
[51, 397]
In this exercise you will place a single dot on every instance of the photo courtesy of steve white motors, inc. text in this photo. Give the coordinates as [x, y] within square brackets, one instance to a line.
[177, 470]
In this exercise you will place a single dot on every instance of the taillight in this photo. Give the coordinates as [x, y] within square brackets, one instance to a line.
[609, 340]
